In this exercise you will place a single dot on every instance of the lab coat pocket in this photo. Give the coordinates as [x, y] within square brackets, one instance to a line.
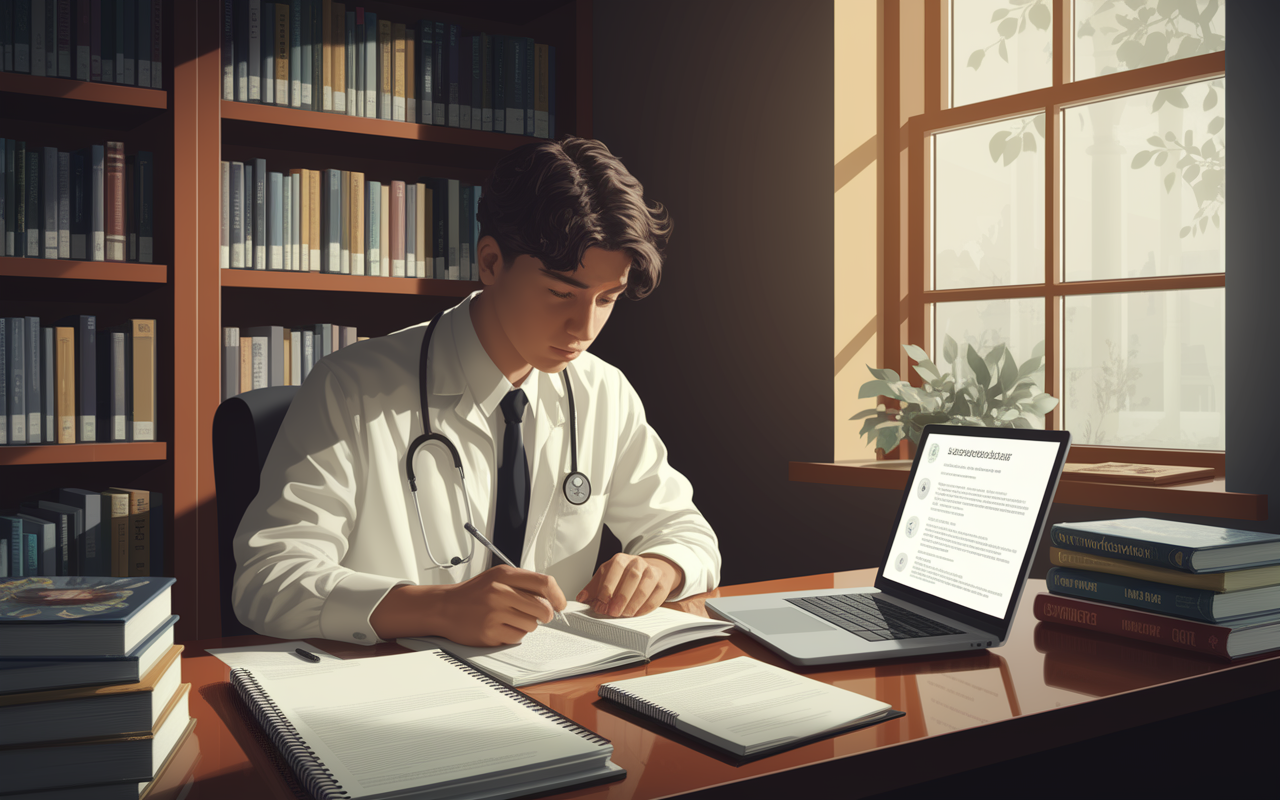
[576, 529]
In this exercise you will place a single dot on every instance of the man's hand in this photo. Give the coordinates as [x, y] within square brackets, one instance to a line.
[498, 606]
[631, 586]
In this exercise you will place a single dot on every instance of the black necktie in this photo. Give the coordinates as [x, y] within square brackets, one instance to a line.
[512, 509]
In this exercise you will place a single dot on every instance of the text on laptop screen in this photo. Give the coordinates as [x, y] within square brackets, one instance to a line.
[967, 521]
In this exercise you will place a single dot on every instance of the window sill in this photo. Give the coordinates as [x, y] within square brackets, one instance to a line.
[1204, 498]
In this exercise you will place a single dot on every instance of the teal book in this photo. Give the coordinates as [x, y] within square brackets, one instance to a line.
[1163, 598]
[38, 674]
[80, 616]
[1174, 545]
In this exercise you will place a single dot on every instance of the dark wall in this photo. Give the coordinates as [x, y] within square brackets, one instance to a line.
[1253, 276]
[723, 110]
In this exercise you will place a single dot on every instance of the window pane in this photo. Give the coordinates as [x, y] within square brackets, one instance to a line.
[1115, 36]
[1144, 184]
[986, 326]
[999, 48]
[1145, 369]
[989, 213]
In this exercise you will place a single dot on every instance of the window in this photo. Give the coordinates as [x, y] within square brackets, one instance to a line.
[1065, 195]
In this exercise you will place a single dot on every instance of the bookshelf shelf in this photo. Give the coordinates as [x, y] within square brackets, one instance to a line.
[423, 287]
[85, 91]
[58, 269]
[18, 455]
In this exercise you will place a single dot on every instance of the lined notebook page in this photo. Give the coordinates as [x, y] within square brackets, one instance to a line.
[743, 702]
[390, 723]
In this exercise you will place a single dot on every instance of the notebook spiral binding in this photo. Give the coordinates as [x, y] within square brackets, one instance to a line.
[524, 700]
[317, 779]
[638, 704]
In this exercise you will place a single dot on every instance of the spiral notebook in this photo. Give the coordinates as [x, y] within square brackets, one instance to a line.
[746, 707]
[419, 725]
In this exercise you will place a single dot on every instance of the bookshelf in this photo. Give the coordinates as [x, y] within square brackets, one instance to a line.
[190, 128]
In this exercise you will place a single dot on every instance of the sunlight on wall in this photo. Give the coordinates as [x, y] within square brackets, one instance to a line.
[856, 217]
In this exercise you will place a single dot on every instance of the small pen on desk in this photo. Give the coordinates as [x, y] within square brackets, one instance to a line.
[484, 540]
[312, 657]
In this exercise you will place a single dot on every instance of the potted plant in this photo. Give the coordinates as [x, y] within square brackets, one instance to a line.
[995, 392]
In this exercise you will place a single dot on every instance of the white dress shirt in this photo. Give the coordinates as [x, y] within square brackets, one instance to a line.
[333, 527]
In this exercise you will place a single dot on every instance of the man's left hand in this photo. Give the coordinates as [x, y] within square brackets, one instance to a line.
[631, 586]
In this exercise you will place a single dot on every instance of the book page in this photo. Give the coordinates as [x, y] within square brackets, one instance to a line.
[398, 722]
[636, 633]
[749, 703]
[542, 651]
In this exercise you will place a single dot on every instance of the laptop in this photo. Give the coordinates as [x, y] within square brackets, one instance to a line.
[956, 563]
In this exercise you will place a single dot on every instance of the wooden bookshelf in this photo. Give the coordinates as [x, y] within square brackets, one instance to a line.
[18, 455]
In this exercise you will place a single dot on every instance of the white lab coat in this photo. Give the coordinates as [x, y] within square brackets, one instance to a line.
[333, 527]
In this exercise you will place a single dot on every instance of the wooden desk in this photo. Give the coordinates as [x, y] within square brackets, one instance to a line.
[1048, 687]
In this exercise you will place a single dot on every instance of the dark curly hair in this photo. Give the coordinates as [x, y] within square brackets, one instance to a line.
[553, 200]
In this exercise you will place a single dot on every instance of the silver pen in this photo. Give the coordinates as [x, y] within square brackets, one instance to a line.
[484, 540]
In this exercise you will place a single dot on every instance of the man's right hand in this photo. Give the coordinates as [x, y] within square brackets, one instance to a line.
[498, 606]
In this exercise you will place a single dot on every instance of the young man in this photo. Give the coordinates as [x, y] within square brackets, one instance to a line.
[337, 546]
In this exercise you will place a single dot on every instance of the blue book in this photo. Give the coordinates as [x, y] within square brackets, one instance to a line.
[11, 542]
[48, 379]
[35, 384]
[79, 205]
[1163, 598]
[453, 74]
[267, 24]
[371, 62]
[259, 209]
[331, 221]
[145, 188]
[80, 616]
[49, 206]
[306, 50]
[143, 70]
[373, 227]
[65, 532]
[128, 17]
[439, 83]
[39, 673]
[425, 57]
[15, 376]
[22, 37]
[41, 547]
[1182, 546]
[95, 539]
[34, 249]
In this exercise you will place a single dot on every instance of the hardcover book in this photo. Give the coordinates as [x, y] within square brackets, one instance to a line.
[1134, 474]
[80, 616]
[1163, 598]
[1173, 545]
[1232, 580]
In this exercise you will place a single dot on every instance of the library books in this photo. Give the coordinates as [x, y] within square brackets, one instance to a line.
[1163, 598]
[39, 673]
[1134, 474]
[747, 707]
[91, 204]
[80, 616]
[585, 642]
[353, 61]
[1230, 640]
[71, 763]
[71, 39]
[1172, 545]
[1228, 581]
[90, 712]
[418, 724]
[341, 222]
[274, 355]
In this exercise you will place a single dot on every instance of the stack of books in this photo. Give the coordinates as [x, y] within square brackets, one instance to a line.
[92, 702]
[1196, 587]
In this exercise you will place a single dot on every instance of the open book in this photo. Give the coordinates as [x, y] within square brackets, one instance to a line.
[747, 707]
[585, 642]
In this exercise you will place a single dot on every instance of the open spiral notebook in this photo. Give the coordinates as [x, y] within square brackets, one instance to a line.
[418, 725]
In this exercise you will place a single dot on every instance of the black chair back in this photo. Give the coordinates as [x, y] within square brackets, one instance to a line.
[244, 428]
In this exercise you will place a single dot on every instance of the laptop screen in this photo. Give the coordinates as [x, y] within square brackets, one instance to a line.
[971, 514]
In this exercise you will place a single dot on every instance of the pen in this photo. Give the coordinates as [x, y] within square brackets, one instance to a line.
[312, 657]
[471, 529]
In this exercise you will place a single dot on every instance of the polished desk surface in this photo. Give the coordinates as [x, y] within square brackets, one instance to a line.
[1048, 686]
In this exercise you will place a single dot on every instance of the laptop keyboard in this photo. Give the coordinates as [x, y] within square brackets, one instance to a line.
[871, 617]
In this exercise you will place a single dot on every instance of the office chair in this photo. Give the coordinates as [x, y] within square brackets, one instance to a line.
[244, 427]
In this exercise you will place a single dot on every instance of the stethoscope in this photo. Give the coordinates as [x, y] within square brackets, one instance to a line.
[577, 489]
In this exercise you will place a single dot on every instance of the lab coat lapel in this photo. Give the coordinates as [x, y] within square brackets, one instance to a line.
[551, 454]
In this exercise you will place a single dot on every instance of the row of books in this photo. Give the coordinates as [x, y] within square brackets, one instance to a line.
[117, 532]
[91, 204]
[92, 703]
[1196, 587]
[70, 383]
[336, 221]
[273, 355]
[106, 41]
[320, 55]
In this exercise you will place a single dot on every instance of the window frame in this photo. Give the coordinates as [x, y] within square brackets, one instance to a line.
[912, 311]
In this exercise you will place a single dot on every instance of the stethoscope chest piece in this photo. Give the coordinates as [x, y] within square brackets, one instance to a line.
[577, 489]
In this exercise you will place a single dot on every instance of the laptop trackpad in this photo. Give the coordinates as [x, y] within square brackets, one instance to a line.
[782, 620]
